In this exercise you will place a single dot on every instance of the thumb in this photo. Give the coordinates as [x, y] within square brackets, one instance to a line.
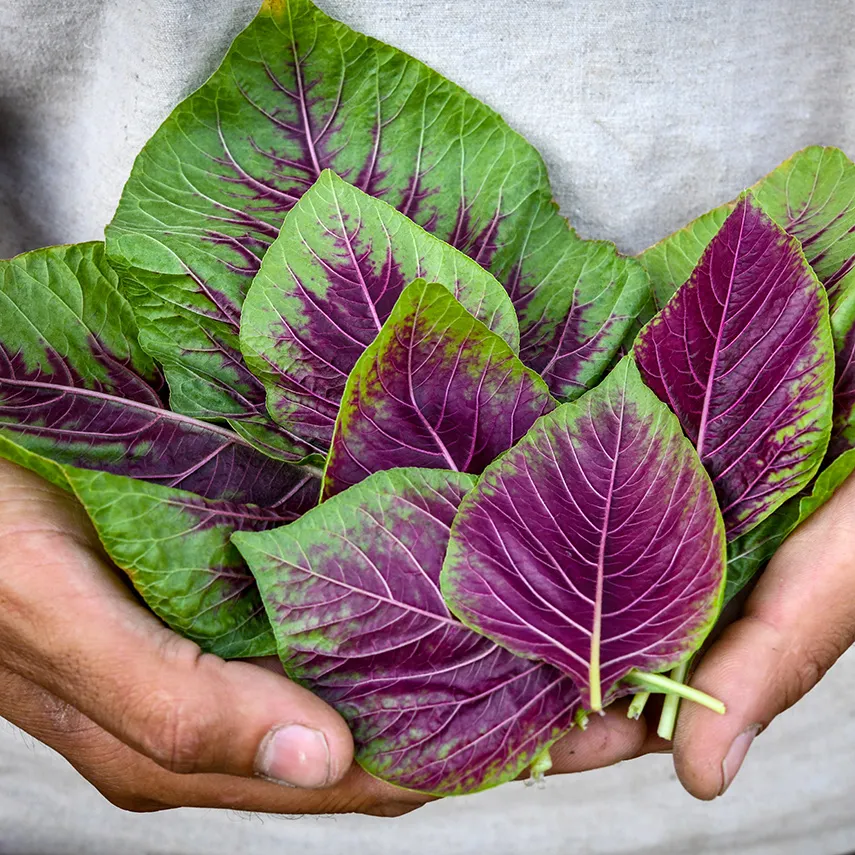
[70, 626]
[796, 624]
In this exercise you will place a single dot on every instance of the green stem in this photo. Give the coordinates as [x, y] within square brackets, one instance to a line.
[671, 704]
[636, 707]
[660, 683]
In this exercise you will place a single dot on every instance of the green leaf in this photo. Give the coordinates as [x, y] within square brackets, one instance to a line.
[812, 196]
[76, 389]
[326, 286]
[46, 468]
[299, 93]
[61, 304]
[670, 262]
[175, 547]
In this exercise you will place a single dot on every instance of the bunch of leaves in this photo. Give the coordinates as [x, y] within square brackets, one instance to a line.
[410, 442]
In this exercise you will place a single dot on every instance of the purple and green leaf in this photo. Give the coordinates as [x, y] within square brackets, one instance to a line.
[435, 389]
[352, 592]
[743, 355]
[175, 548]
[299, 93]
[812, 197]
[670, 263]
[750, 553]
[77, 390]
[595, 544]
[327, 285]
[208, 379]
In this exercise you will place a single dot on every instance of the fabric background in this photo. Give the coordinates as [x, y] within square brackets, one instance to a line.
[648, 112]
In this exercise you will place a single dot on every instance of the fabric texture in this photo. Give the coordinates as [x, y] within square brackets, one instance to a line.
[647, 112]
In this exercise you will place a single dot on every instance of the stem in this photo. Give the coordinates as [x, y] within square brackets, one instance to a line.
[659, 683]
[671, 705]
[636, 707]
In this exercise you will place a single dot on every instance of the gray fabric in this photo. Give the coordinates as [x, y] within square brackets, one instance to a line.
[648, 112]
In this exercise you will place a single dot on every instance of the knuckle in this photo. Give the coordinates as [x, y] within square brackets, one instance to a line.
[176, 734]
[130, 801]
[811, 665]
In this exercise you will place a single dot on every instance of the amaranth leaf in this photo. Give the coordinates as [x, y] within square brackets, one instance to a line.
[595, 544]
[75, 389]
[175, 548]
[435, 389]
[352, 591]
[752, 551]
[326, 286]
[743, 355]
[299, 93]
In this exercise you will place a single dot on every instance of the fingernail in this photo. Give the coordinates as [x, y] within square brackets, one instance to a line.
[735, 755]
[294, 755]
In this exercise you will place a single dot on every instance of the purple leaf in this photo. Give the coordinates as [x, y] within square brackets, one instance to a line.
[74, 390]
[435, 389]
[743, 355]
[326, 286]
[595, 544]
[352, 591]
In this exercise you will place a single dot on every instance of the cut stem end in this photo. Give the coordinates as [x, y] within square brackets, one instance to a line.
[660, 683]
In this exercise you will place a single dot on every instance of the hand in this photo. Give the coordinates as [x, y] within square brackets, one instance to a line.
[150, 720]
[797, 622]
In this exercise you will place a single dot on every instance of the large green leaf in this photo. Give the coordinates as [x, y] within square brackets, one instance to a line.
[670, 262]
[298, 93]
[326, 286]
[175, 548]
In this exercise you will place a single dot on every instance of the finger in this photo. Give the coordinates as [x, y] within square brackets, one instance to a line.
[607, 739]
[69, 625]
[797, 622]
[134, 782]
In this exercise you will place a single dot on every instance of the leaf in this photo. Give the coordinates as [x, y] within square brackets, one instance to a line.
[750, 553]
[299, 93]
[175, 548]
[670, 262]
[75, 390]
[69, 294]
[595, 544]
[352, 591]
[326, 286]
[743, 355]
[207, 376]
[812, 196]
[435, 389]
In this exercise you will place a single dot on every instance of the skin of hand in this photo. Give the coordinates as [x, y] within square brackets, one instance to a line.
[154, 723]
[798, 620]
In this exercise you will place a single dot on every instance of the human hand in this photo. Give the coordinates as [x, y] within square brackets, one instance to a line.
[154, 723]
[796, 623]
